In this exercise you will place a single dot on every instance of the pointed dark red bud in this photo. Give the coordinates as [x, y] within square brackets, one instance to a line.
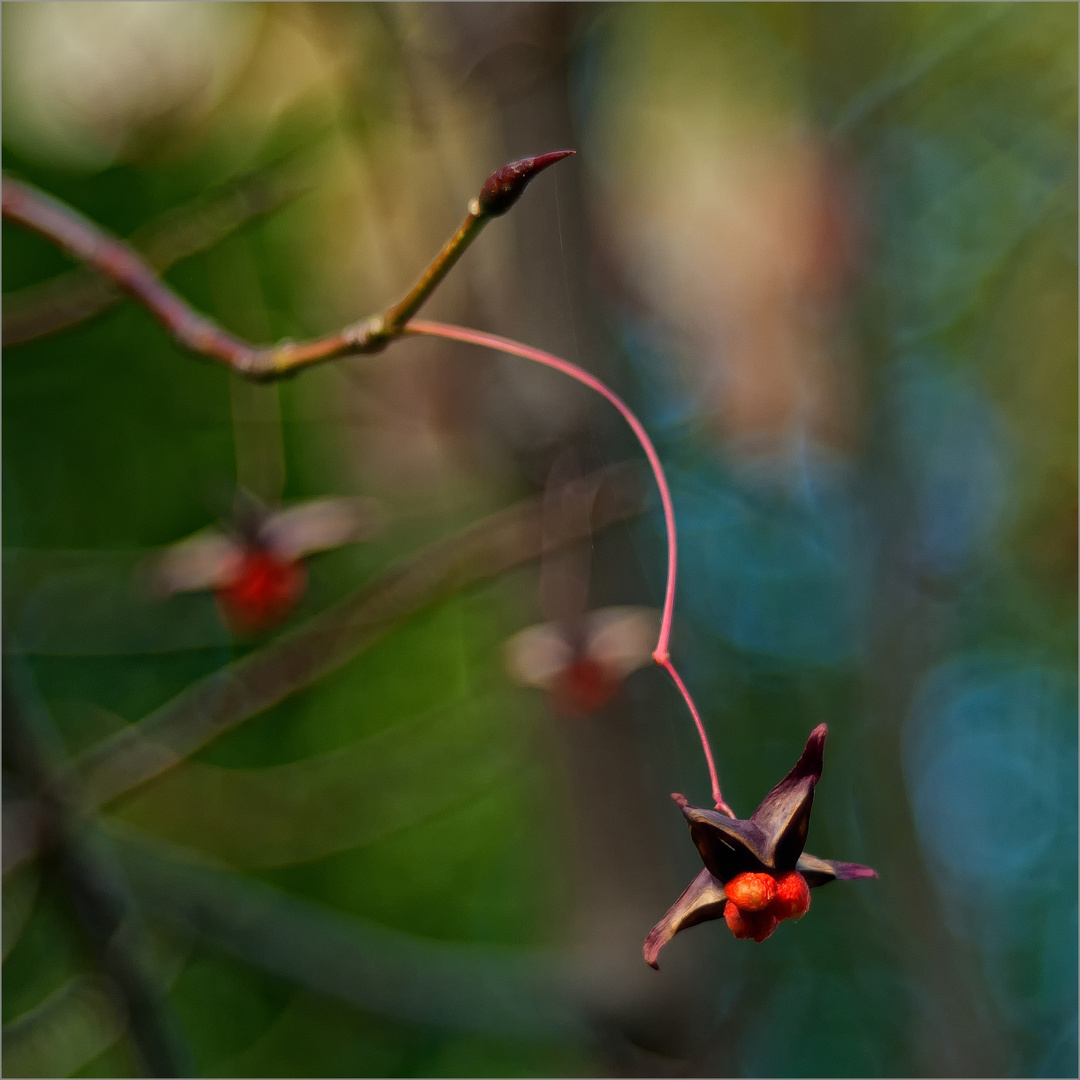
[503, 187]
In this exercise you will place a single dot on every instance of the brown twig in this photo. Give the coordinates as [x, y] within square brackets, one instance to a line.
[134, 275]
[79, 294]
[223, 700]
[105, 907]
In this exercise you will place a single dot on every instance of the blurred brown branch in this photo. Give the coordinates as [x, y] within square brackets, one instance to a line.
[220, 702]
[79, 294]
[133, 274]
[466, 987]
[106, 909]
[332, 802]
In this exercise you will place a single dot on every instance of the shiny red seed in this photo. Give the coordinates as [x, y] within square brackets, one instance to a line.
[751, 892]
[792, 896]
[749, 924]
[764, 924]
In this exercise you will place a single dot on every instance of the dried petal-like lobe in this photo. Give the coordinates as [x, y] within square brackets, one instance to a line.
[537, 655]
[727, 846]
[749, 924]
[503, 187]
[784, 814]
[207, 560]
[792, 896]
[702, 900]
[822, 871]
[751, 892]
[317, 526]
[622, 638]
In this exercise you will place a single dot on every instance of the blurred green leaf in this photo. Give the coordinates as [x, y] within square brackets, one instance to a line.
[331, 802]
[20, 892]
[68, 1029]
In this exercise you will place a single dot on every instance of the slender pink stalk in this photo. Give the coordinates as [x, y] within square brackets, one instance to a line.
[660, 653]
[493, 341]
[717, 797]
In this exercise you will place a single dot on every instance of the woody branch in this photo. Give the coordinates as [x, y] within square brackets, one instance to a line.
[121, 264]
[87, 241]
[80, 293]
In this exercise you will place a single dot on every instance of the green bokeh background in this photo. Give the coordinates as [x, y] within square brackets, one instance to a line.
[438, 816]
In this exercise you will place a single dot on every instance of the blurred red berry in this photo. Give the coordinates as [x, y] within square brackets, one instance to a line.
[262, 593]
[582, 687]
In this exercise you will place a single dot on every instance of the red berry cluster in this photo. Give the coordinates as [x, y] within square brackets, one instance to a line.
[758, 903]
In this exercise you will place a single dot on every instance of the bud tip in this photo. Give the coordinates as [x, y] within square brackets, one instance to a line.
[503, 187]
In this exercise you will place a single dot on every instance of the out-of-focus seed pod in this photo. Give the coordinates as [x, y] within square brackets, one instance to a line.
[255, 569]
[582, 671]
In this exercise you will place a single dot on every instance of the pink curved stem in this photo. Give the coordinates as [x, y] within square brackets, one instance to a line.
[660, 654]
[493, 341]
[715, 780]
